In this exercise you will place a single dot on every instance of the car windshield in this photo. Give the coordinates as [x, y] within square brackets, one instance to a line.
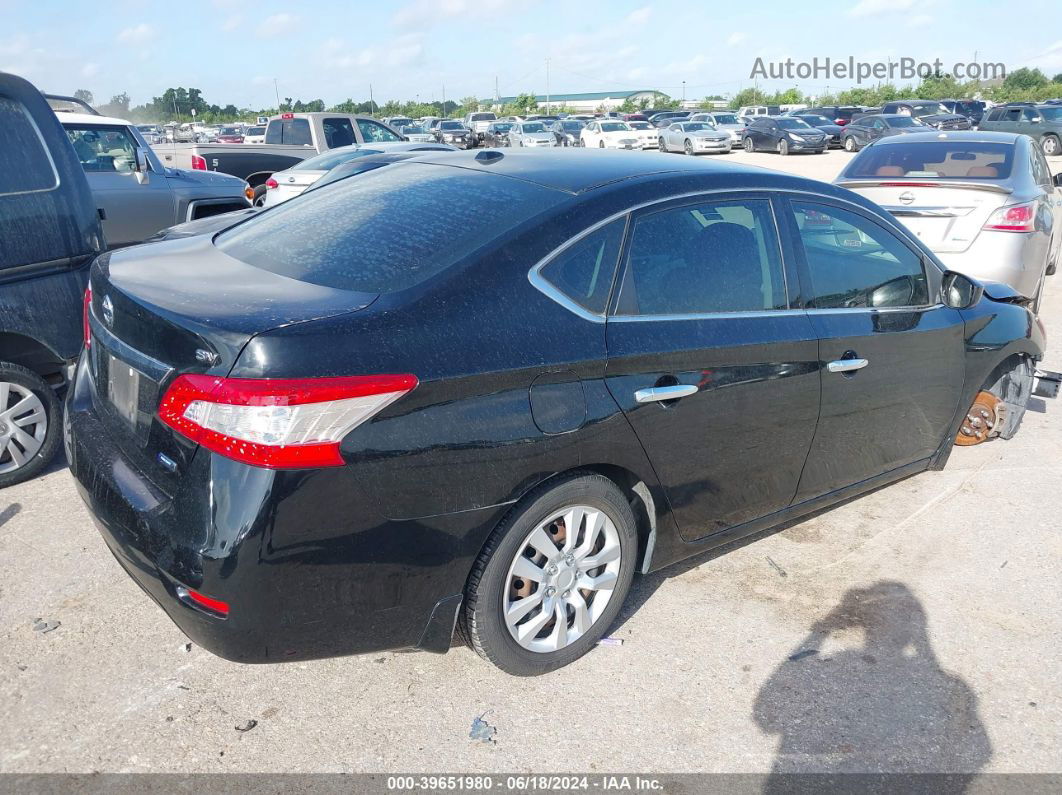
[905, 121]
[482, 117]
[928, 109]
[401, 122]
[726, 118]
[639, 125]
[357, 234]
[816, 119]
[695, 126]
[533, 127]
[413, 129]
[502, 126]
[256, 131]
[572, 126]
[1051, 114]
[333, 158]
[793, 124]
[451, 125]
[614, 126]
[229, 131]
[963, 160]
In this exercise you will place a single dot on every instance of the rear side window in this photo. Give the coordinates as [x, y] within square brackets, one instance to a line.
[719, 256]
[584, 270]
[852, 262]
[25, 165]
[388, 229]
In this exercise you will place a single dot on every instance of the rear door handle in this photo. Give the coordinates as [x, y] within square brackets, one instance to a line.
[846, 365]
[658, 393]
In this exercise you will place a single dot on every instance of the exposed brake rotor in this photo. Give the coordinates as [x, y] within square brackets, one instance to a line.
[982, 421]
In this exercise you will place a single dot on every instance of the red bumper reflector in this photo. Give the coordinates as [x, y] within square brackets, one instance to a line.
[216, 605]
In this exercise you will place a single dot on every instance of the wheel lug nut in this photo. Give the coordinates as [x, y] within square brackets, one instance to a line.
[550, 591]
[566, 594]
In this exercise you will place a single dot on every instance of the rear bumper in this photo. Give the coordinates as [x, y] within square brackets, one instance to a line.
[306, 573]
[1007, 257]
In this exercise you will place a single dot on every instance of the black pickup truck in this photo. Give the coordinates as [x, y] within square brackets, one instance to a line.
[50, 231]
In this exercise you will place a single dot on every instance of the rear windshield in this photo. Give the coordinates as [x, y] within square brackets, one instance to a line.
[482, 117]
[726, 118]
[793, 123]
[332, 158]
[451, 125]
[935, 160]
[387, 230]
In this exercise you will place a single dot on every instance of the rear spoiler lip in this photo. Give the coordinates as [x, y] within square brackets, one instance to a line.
[872, 182]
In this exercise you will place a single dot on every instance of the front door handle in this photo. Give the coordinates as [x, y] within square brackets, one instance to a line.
[846, 365]
[659, 393]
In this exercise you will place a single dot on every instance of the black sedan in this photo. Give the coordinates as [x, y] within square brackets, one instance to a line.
[864, 130]
[497, 133]
[484, 390]
[828, 127]
[929, 112]
[783, 134]
[453, 133]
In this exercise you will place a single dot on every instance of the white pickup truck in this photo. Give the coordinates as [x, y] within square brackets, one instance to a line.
[289, 138]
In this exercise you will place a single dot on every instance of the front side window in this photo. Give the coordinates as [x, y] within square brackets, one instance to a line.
[103, 149]
[584, 270]
[716, 256]
[852, 262]
[374, 132]
[25, 165]
[338, 132]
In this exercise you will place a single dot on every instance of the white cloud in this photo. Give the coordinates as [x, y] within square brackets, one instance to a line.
[920, 21]
[277, 24]
[232, 22]
[736, 38]
[90, 69]
[423, 13]
[640, 15]
[138, 34]
[873, 8]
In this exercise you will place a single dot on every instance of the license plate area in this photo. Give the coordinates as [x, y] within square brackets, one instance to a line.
[123, 389]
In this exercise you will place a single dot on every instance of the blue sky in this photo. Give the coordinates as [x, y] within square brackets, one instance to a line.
[233, 49]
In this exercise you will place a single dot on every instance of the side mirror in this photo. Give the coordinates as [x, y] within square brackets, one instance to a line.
[958, 291]
[1058, 180]
[141, 167]
[1036, 119]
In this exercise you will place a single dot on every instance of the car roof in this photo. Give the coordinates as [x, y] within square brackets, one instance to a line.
[90, 118]
[978, 136]
[578, 171]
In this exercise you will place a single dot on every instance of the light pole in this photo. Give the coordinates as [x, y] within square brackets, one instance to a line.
[683, 90]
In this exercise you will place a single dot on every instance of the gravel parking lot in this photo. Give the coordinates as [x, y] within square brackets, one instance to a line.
[915, 627]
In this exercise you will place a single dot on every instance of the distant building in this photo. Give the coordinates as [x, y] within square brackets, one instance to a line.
[591, 101]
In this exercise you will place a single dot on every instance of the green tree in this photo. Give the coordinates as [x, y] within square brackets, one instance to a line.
[525, 103]
[84, 95]
[1024, 79]
[1057, 78]
[118, 106]
[749, 96]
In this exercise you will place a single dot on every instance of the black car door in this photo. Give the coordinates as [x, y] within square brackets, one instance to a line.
[717, 375]
[892, 355]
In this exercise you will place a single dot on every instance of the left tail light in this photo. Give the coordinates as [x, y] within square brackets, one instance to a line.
[198, 163]
[1017, 218]
[277, 423]
[86, 307]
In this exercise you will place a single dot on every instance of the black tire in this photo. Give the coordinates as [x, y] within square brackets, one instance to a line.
[482, 624]
[783, 147]
[688, 147]
[749, 146]
[1051, 146]
[259, 195]
[600, 144]
[17, 374]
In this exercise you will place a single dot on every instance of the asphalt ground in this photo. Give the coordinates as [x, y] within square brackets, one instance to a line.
[918, 628]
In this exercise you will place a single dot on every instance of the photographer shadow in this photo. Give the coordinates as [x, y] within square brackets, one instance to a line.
[863, 696]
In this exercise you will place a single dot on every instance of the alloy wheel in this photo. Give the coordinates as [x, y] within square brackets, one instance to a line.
[562, 579]
[783, 147]
[689, 147]
[849, 144]
[1050, 146]
[23, 426]
[748, 145]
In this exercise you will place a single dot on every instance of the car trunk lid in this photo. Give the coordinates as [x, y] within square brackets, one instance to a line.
[945, 215]
[180, 307]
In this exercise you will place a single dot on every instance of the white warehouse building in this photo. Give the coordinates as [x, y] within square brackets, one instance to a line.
[589, 102]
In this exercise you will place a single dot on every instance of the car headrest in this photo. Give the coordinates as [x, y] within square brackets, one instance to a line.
[989, 172]
[890, 171]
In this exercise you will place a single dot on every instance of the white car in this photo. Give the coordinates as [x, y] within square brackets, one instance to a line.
[255, 134]
[724, 121]
[610, 134]
[647, 134]
[694, 137]
[284, 185]
[416, 134]
[531, 134]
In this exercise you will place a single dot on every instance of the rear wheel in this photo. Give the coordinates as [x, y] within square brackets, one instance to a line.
[259, 195]
[552, 577]
[600, 144]
[849, 144]
[29, 424]
[783, 147]
[1051, 145]
[748, 145]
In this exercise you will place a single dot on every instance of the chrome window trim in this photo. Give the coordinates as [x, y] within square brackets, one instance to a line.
[543, 285]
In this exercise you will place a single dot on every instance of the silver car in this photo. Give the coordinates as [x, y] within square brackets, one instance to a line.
[531, 134]
[984, 202]
[693, 138]
[724, 122]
